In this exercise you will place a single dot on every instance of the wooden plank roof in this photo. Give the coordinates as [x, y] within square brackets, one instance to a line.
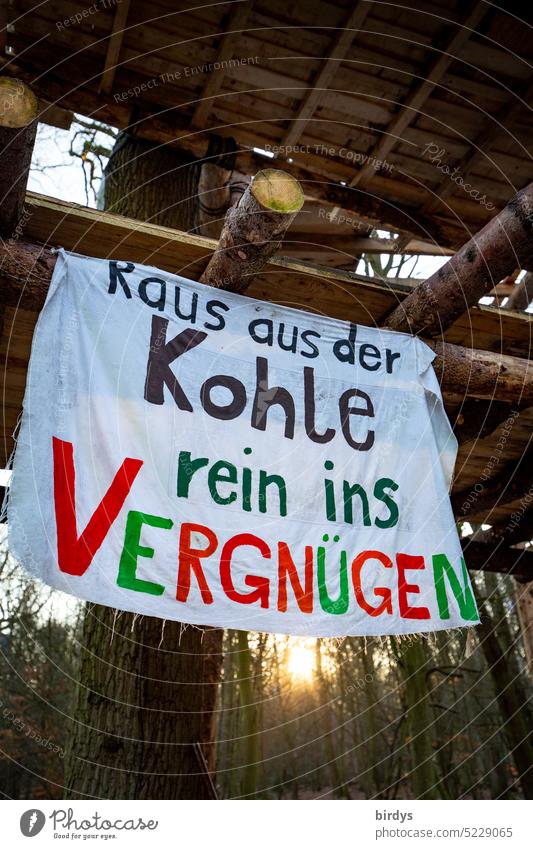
[407, 80]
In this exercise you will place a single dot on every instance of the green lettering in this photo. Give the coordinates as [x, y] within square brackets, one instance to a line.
[264, 480]
[463, 595]
[186, 469]
[381, 495]
[216, 476]
[349, 492]
[327, 604]
[127, 570]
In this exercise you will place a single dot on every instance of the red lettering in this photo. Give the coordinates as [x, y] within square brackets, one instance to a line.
[405, 562]
[286, 567]
[259, 585]
[189, 561]
[380, 592]
[75, 554]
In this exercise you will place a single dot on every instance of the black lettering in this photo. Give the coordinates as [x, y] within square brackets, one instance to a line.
[369, 351]
[252, 330]
[158, 303]
[116, 275]
[294, 342]
[211, 309]
[344, 349]
[305, 338]
[177, 306]
[267, 397]
[226, 411]
[345, 413]
[162, 353]
[310, 411]
[390, 357]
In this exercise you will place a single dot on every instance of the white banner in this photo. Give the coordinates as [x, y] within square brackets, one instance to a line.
[201, 456]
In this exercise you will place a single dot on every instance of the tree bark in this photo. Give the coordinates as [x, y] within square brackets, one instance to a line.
[524, 604]
[504, 243]
[147, 692]
[152, 182]
[18, 126]
[146, 696]
[498, 646]
[254, 229]
[483, 374]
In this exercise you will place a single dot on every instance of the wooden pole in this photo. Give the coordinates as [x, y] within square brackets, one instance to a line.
[18, 125]
[504, 243]
[483, 374]
[26, 271]
[253, 230]
[522, 293]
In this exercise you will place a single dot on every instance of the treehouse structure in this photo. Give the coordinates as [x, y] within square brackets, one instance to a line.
[413, 121]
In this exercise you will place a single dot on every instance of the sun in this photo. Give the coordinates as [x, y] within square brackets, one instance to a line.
[301, 659]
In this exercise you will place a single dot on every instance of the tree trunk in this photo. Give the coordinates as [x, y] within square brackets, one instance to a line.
[18, 126]
[414, 664]
[249, 714]
[147, 691]
[524, 604]
[499, 646]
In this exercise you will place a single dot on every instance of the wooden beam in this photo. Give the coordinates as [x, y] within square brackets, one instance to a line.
[341, 45]
[480, 556]
[510, 485]
[510, 532]
[479, 419]
[234, 28]
[504, 243]
[521, 293]
[320, 184]
[492, 128]
[357, 244]
[336, 293]
[55, 116]
[410, 109]
[482, 374]
[113, 49]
